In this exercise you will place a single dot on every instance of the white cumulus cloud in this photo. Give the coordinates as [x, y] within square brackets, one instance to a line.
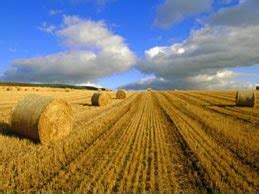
[206, 51]
[244, 14]
[174, 11]
[206, 59]
[93, 52]
[220, 80]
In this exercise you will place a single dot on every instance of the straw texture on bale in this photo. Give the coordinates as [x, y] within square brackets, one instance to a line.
[121, 94]
[245, 98]
[43, 119]
[101, 99]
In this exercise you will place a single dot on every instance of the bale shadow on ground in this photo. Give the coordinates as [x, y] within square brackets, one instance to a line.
[5, 130]
[86, 104]
[221, 105]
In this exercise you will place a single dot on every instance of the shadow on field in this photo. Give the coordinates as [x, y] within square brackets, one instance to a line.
[222, 105]
[85, 104]
[5, 129]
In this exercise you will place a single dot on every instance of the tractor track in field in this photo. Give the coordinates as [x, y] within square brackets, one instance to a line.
[184, 155]
[154, 141]
[18, 147]
[223, 163]
[135, 148]
[243, 153]
[93, 153]
[226, 111]
[52, 158]
[226, 107]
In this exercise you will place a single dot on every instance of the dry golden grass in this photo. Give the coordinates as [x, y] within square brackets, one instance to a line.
[42, 119]
[152, 141]
[101, 99]
[121, 94]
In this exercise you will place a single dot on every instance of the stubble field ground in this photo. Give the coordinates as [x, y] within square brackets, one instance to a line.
[152, 141]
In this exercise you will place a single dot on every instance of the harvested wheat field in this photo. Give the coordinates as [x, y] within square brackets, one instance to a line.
[167, 141]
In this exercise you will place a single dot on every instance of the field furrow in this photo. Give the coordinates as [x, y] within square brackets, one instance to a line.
[214, 157]
[222, 131]
[87, 160]
[45, 162]
[153, 141]
[228, 108]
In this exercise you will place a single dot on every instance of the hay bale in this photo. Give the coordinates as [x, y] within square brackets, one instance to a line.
[149, 89]
[9, 89]
[257, 87]
[43, 119]
[245, 98]
[67, 90]
[121, 94]
[101, 99]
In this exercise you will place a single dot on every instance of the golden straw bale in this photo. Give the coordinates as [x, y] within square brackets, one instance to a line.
[121, 94]
[42, 119]
[245, 98]
[101, 99]
[9, 89]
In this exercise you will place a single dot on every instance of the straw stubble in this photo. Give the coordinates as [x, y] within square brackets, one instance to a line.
[42, 119]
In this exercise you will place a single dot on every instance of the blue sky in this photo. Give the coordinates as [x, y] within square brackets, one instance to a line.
[39, 43]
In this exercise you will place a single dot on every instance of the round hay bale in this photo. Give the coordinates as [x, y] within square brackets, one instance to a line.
[149, 89]
[245, 98]
[101, 99]
[9, 89]
[121, 94]
[42, 119]
[257, 87]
